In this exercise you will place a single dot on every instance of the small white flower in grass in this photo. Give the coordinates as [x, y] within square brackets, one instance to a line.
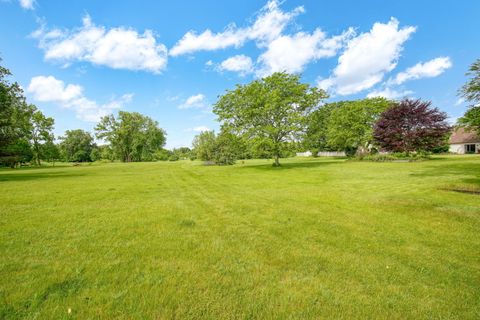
[69, 310]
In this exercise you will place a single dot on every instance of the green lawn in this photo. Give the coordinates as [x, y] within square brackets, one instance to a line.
[324, 238]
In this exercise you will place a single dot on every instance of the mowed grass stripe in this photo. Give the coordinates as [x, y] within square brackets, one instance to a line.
[316, 238]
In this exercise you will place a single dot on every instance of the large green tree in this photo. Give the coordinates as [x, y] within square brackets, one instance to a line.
[40, 132]
[273, 110]
[15, 123]
[77, 146]
[471, 92]
[350, 126]
[203, 145]
[471, 119]
[132, 136]
[316, 138]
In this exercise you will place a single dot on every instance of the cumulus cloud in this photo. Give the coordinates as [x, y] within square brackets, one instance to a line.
[269, 24]
[197, 101]
[117, 48]
[292, 52]
[27, 4]
[429, 69]
[368, 57]
[389, 93]
[239, 63]
[70, 96]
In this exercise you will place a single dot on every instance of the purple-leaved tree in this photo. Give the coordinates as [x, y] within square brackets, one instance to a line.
[411, 125]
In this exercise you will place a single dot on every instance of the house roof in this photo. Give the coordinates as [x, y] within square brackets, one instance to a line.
[460, 135]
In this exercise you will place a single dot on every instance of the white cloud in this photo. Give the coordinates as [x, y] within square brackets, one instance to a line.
[368, 57]
[27, 4]
[201, 129]
[117, 48]
[428, 69]
[292, 53]
[239, 63]
[269, 24]
[197, 101]
[50, 89]
[389, 93]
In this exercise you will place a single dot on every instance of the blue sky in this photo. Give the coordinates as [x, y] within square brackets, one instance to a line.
[78, 60]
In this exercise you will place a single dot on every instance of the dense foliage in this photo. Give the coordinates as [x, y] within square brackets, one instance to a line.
[24, 130]
[272, 110]
[471, 119]
[350, 125]
[132, 136]
[411, 125]
[471, 90]
[78, 146]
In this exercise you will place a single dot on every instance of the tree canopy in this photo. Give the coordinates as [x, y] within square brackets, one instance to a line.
[132, 136]
[272, 110]
[411, 125]
[471, 90]
[77, 146]
[350, 125]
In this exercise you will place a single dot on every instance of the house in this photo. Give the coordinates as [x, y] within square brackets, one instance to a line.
[463, 141]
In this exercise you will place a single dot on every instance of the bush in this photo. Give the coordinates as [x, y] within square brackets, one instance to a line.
[162, 155]
[397, 156]
[173, 157]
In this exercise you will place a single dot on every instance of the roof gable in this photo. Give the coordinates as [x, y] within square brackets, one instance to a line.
[460, 135]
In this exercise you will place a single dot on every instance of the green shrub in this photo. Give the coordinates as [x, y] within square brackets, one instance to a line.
[173, 157]
[397, 156]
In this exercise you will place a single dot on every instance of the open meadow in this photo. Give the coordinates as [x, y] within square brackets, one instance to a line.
[315, 238]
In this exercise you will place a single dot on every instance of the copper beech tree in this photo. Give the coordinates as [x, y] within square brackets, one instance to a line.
[411, 126]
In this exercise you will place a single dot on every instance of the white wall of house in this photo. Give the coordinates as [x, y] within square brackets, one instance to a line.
[460, 148]
[457, 148]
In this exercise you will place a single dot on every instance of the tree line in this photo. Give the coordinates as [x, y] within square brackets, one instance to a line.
[278, 115]
[272, 117]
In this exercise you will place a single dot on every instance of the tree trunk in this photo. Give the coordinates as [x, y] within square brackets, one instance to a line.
[277, 162]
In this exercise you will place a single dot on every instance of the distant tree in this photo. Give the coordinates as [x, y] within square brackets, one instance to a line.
[106, 152]
[40, 132]
[273, 109]
[15, 122]
[132, 136]
[471, 90]
[316, 133]
[182, 152]
[162, 154]
[50, 151]
[471, 119]
[228, 148]
[411, 125]
[95, 154]
[77, 145]
[203, 145]
[350, 125]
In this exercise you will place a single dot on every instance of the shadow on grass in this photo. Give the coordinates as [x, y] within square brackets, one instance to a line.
[293, 165]
[451, 169]
[27, 175]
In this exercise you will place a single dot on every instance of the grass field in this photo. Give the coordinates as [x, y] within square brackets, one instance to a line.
[324, 238]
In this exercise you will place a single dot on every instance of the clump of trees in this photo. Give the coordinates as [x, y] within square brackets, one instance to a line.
[78, 146]
[471, 92]
[222, 149]
[131, 135]
[271, 111]
[25, 132]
